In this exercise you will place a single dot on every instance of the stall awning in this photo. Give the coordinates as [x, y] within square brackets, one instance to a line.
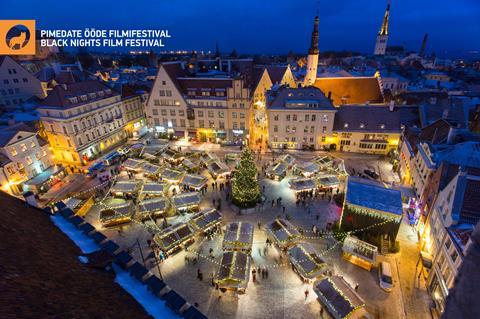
[45, 175]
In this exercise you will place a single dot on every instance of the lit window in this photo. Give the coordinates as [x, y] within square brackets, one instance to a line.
[345, 125]
[14, 152]
[23, 147]
[32, 145]
[362, 125]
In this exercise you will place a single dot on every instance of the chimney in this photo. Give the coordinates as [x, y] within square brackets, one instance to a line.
[391, 106]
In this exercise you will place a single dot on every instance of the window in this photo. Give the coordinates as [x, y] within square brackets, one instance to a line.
[221, 114]
[154, 111]
[325, 118]
[14, 152]
[314, 117]
[211, 124]
[32, 145]
[307, 117]
[305, 129]
[181, 113]
[200, 114]
[324, 129]
[164, 112]
[201, 123]
[242, 115]
[28, 160]
[23, 147]
[323, 139]
[275, 128]
[172, 113]
[275, 117]
[288, 117]
[234, 115]
[182, 123]
[454, 255]
[312, 129]
[221, 125]
[242, 125]
[161, 92]
[294, 117]
[210, 113]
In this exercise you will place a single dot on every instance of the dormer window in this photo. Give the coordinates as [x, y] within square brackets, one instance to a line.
[362, 125]
[290, 94]
[345, 125]
[382, 126]
[83, 97]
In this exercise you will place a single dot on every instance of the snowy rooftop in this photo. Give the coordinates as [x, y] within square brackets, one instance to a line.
[369, 194]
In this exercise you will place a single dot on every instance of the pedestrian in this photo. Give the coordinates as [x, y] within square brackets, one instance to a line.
[306, 294]
[254, 275]
[263, 188]
[259, 225]
[213, 200]
[265, 250]
[198, 273]
[213, 186]
[317, 217]
[263, 273]
[201, 277]
[283, 209]
[266, 273]
[273, 201]
[356, 286]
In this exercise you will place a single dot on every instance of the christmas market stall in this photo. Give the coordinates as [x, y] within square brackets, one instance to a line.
[302, 184]
[186, 202]
[208, 158]
[371, 209]
[153, 189]
[218, 169]
[206, 220]
[151, 171]
[327, 182]
[234, 272]
[173, 157]
[232, 157]
[359, 253]
[152, 208]
[151, 151]
[126, 189]
[116, 214]
[306, 169]
[192, 164]
[340, 299]
[287, 159]
[324, 162]
[194, 182]
[133, 165]
[282, 233]
[174, 238]
[171, 176]
[307, 262]
[277, 171]
[238, 237]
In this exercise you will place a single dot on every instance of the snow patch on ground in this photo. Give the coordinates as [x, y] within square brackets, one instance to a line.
[86, 244]
[152, 304]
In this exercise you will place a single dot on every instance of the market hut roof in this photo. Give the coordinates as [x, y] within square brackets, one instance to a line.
[129, 187]
[307, 261]
[339, 298]
[365, 193]
[152, 188]
[194, 180]
[191, 163]
[151, 169]
[302, 184]
[234, 269]
[328, 180]
[278, 169]
[353, 245]
[287, 158]
[238, 233]
[158, 204]
[205, 218]
[172, 236]
[308, 167]
[115, 212]
[132, 164]
[218, 167]
[283, 231]
[186, 199]
[171, 175]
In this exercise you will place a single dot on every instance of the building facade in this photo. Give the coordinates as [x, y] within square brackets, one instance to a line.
[299, 118]
[23, 156]
[82, 121]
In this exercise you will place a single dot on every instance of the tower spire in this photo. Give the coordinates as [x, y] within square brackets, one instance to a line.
[314, 43]
[384, 28]
[424, 45]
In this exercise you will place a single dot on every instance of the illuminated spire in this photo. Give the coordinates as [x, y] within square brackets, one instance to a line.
[384, 28]
[314, 44]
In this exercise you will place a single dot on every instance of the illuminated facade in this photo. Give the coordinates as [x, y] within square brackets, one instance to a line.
[382, 37]
[312, 59]
[210, 108]
[23, 156]
[82, 121]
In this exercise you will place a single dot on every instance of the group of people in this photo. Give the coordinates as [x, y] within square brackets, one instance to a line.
[262, 271]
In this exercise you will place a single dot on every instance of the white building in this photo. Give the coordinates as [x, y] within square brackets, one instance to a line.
[382, 36]
[24, 156]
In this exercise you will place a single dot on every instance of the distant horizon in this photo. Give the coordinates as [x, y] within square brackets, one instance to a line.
[270, 27]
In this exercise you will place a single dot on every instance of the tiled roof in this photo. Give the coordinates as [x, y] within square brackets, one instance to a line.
[285, 95]
[8, 132]
[372, 118]
[470, 211]
[351, 90]
[59, 96]
[49, 280]
[200, 84]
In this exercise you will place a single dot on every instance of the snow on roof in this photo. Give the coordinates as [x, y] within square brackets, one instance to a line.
[366, 193]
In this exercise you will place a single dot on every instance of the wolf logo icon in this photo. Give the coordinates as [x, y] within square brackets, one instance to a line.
[18, 42]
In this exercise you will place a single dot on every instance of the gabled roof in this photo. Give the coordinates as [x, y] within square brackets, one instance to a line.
[59, 96]
[374, 118]
[276, 72]
[351, 90]
[7, 133]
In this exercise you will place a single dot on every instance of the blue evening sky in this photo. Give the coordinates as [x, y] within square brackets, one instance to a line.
[268, 26]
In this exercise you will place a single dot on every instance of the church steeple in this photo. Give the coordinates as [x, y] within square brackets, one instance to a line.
[312, 59]
[314, 43]
[384, 28]
[382, 36]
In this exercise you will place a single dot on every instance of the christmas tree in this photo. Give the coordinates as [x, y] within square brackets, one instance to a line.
[245, 186]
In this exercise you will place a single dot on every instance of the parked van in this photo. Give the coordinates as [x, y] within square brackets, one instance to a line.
[385, 276]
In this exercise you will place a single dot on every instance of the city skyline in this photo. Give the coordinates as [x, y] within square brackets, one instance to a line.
[265, 28]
